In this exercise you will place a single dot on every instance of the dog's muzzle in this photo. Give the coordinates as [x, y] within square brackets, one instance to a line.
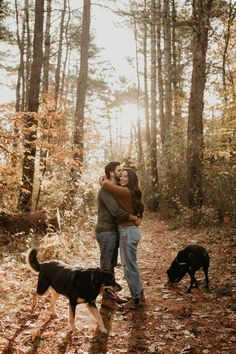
[110, 288]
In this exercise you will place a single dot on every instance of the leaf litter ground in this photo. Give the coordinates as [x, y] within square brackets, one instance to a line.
[172, 321]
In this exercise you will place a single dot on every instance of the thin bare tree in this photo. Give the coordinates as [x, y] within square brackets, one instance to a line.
[139, 138]
[28, 54]
[153, 150]
[78, 138]
[59, 55]
[47, 48]
[20, 87]
[160, 73]
[231, 15]
[145, 75]
[200, 19]
[25, 197]
[168, 73]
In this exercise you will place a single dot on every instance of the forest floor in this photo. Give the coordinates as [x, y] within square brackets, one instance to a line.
[172, 321]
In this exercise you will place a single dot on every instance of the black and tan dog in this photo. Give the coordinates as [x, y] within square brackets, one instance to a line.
[77, 284]
[189, 260]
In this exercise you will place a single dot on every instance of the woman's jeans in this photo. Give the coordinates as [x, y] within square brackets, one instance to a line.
[129, 239]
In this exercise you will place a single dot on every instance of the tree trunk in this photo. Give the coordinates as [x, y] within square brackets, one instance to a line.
[175, 76]
[39, 221]
[68, 41]
[153, 152]
[168, 72]
[139, 139]
[59, 56]
[160, 74]
[45, 87]
[28, 55]
[25, 198]
[227, 36]
[110, 154]
[200, 20]
[145, 77]
[78, 138]
[18, 85]
[20, 88]
[47, 48]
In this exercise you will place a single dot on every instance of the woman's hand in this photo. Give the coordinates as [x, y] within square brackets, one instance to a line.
[135, 219]
[102, 179]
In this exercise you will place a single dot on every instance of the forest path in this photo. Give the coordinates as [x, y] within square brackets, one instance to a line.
[171, 322]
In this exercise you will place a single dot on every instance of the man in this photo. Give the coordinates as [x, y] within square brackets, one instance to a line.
[106, 229]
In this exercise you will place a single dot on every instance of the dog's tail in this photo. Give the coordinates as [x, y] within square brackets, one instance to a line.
[32, 260]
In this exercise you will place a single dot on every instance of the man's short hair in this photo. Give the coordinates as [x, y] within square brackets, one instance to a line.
[111, 167]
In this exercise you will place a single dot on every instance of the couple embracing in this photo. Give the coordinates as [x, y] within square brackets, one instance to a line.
[120, 210]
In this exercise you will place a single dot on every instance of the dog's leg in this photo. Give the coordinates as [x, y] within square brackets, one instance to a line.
[72, 308]
[34, 302]
[96, 314]
[42, 289]
[36, 297]
[54, 297]
[193, 281]
[190, 288]
[205, 269]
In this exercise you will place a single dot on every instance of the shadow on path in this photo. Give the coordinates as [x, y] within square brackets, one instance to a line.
[9, 348]
[138, 340]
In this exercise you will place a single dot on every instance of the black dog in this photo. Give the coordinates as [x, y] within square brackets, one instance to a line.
[77, 284]
[189, 260]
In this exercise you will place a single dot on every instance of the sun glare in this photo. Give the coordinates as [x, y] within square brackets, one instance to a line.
[128, 117]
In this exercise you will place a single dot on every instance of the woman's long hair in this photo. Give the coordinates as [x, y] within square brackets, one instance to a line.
[135, 190]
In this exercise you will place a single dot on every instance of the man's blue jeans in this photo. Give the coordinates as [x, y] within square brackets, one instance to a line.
[129, 239]
[108, 242]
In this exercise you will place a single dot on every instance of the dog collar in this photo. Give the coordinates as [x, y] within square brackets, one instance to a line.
[180, 263]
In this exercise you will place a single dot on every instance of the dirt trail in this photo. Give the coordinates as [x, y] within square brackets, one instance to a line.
[171, 322]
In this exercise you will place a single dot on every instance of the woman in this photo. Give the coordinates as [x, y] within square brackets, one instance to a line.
[129, 197]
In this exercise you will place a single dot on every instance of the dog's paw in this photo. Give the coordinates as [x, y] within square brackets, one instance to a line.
[72, 328]
[104, 330]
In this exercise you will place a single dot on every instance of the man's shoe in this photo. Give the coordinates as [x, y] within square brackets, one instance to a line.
[111, 304]
[142, 298]
[130, 305]
[133, 304]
